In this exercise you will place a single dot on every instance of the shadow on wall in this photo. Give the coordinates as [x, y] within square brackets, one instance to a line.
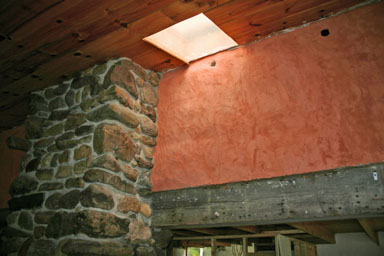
[9, 163]
[352, 244]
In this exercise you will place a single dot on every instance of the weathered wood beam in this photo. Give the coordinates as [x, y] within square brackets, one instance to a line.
[263, 234]
[250, 229]
[345, 193]
[317, 230]
[369, 229]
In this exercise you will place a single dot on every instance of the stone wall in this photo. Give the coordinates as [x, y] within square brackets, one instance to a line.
[85, 182]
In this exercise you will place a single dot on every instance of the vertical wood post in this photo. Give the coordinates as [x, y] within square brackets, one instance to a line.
[245, 246]
[213, 246]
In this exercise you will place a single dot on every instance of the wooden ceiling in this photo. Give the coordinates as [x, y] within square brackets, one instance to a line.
[45, 41]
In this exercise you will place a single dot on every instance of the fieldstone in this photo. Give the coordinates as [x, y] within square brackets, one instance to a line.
[23, 185]
[78, 97]
[107, 161]
[129, 172]
[149, 141]
[51, 186]
[44, 217]
[58, 115]
[13, 232]
[70, 98]
[25, 221]
[44, 174]
[99, 69]
[54, 130]
[139, 232]
[50, 93]
[32, 165]
[144, 191]
[26, 202]
[52, 202]
[162, 237]
[66, 136]
[66, 144]
[11, 246]
[24, 247]
[34, 127]
[114, 111]
[145, 251]
[89, 104]
[62, 224]
[127, 63]
[148, 152]
[46, 161]
[43, 143]
[39, 152]
[95, 175]
[145, 210]
[116, 93]
[54, 160]
[86, 139]
[39, 248]
[86, 92]
[97, 196]
[102, 224]
[87, 248]
[142, 73]
[154, 78]
[64, 157]
[64, 172]
[121, 76]
[83, 81]
[74, 183]
[148, 95]
[39, 232]
[84, 130]
[57, 103]
[80, 167]
[82, 152]
[24, 161]
[143, 163]
[53, 148]
[149, 112]
[36, 99]
[14, 142]
[148, 126]
[127, 204]
[112, 138]
[74, 121]
[70, 199]
[61, 89]
[11, 218]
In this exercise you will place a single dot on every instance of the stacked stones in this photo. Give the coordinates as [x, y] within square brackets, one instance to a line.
[84, 186]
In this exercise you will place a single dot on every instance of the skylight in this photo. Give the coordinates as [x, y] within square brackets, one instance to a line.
[192, 39]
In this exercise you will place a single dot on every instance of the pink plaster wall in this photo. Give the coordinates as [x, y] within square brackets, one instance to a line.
[9, 163]
[294, 103]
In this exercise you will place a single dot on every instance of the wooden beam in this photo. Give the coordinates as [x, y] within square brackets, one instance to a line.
[369, 229]
[250, 229]
[317, 230]
[262, 234]
[213, 246]
[345, 193]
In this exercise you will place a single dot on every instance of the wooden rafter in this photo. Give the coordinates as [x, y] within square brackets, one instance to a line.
[369, 229]
[316, 229]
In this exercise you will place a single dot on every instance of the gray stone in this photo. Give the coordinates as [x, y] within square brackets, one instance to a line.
[41, 248]
[57, 103]
[23, 185]
[13, 232]
[51, 186]
[70, 98]
[34, 127]
[95, 175]
[25, 221]
[92, 248]
[44, 217]
[148, 95]
[83, 81]
[101, 224]
[74, 183]
[116, 93]
[162, 237]
[97, 196]
[149, 141]
[139, 232]
[54, 130]
[86, 139]
[50, 93]
[26, 202]
[54, 160]
[64, 157]
[44, 174]
[127, 204]
[39, 152]
[112, 138]
[12, 218]
[149, 111]
[145, 251]
[143, 163]
[121, 76]
[148, 127]
[82, 152]
[74, 121]
[52, 202]
[86, 92]
[141, 72]
[39, 232]
[114, 111]
[61, 89]
[32, 165]
[99, 69]
[70, 199]
[80, 167]
[66, 144]
[62, 224]
[107, 161]
[14, 142]
[89, 104]
[64, 172]
[58, 115]
[154, 78]
[84, 130]
[43, 143]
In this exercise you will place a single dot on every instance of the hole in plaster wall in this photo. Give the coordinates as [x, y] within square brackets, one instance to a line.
[324, 32]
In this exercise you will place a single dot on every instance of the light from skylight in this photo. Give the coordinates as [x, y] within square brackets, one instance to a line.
[192, 39]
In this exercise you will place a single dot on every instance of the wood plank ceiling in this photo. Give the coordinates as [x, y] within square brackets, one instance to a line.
[45, 41]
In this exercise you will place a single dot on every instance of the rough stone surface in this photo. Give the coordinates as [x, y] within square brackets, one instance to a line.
[70, 98]
[44, 217]
[112, 138]
[143, 163]
[83, 81]
[115, 92]
[84, 130]
[97, 196]
[23, 185]
[149, 111]
[62, 224]
[120, 75]
[12, 218]
[80, 167]
[51, 186]
[44, 174]
[82, 152]
[64, 157]
[26, 202]
[139, 231]
[129, 172]
[52, 202]
[39, 232]
[149, 95]
[145, 251]
[32, 165]
[145, 209]
[142, 73]
[127, 204]
[43, 143]
[74, 183]
[162, 237]
[74, 121]
[148, 126]
[107, 161]
[102, 224]
[92, 248]
[148, 152]
[64, 172]
[57, 103]
[89, 104]
[148, 140]
[40, 248]
[114, 111]
[154, 78]
[95, 175]
[58, 115]
[14, 142]
[70, 199]
[25, 221]
[34, 127]
[54, 130]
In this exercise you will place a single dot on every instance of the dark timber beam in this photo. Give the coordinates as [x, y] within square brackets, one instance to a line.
[369, 229]
[345, 193]
[317, 230]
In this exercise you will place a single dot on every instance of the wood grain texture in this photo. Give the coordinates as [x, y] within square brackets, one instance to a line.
[38, 38]
[335, 194]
